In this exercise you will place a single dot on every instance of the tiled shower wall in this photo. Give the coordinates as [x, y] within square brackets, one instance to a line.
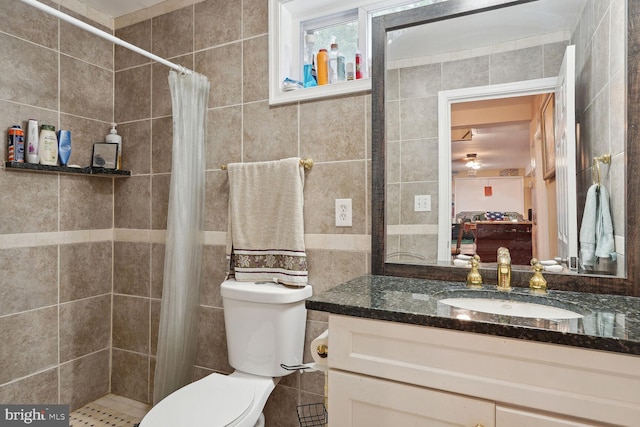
[56, 232]
[227, 41]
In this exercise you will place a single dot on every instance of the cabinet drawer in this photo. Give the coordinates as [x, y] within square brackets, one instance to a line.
[593, 385]
[358, 400]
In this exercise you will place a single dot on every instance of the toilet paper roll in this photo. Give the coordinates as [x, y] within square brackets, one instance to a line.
[320, 349]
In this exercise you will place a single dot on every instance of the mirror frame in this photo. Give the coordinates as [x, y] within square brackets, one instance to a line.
[557, 281]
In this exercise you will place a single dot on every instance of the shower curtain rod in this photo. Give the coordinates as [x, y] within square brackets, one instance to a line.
[105, 35]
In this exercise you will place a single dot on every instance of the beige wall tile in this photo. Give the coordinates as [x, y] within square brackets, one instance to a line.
[522, 64]
[172, 33]
[136, 147]
[35, 81]
[85, 379]
[328, 269]
[161, 145]
[224, 136]
[213, 274]
[29, 23]
[132, 202]
[419, 118]
[28, 278]
[420, 160]
[85, 90]
[29, 343]
[255, 68]
[270, 133]
[130, 375]
[217, 201]
[553, 55]
[30, 196]
[421, 81]
[212, 341]
[160, 185]
[217, 22]
[255, 16]
[465, 73]
[131, 323]
[280, 410]
[35, 389]
[223, 66]
[83, 45]
[132, 94]
[157, 269]
[131, 268]
[84, 327]
[333, 129]
[138, 35]
[85, 204]
[85, 270]
[155, 325]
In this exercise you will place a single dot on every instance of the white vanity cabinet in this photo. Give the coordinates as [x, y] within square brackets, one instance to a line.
[393, 374]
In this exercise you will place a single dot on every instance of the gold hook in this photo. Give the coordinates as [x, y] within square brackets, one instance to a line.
[595, 167]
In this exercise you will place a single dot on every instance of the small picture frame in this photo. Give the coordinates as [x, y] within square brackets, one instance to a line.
[105, 155]
[548, 138]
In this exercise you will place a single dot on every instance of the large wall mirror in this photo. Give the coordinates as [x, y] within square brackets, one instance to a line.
[492, 121]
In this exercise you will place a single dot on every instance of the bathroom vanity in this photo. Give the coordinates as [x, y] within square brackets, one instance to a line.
[399, 356]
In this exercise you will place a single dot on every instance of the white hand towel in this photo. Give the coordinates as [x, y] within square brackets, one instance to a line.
[588, 227]
[605, 245]
[596, 232]
[265, 236]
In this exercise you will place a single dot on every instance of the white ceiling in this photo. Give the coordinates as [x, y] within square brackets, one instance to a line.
[117, 8]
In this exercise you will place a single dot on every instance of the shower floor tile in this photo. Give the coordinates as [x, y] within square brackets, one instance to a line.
[109, 411]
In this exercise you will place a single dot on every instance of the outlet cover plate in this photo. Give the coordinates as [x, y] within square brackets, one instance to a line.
[343, 213]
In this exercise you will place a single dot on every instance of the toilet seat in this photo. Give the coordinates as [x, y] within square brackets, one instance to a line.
[215, 400]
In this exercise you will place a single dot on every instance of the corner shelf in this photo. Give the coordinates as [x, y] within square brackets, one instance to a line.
[89, 170]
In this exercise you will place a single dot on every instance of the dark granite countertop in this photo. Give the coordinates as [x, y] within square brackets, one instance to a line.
[608, 322]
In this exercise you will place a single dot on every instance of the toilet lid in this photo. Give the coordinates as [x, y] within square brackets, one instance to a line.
[215, 400]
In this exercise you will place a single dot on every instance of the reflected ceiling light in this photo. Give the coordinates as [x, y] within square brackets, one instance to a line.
[472, 161]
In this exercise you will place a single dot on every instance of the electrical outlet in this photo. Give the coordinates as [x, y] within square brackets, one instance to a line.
[343, 212]
[422, 203]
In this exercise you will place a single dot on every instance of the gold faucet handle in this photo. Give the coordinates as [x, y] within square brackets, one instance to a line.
[537, 283]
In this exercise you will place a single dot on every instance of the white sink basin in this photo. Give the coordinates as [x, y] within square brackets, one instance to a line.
[511, 308]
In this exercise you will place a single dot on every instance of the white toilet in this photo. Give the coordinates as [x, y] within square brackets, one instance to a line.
[265, 325]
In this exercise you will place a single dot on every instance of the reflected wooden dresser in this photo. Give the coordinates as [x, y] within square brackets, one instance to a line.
[516, 236]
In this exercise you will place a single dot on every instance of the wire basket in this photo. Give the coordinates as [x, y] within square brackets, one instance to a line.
[312, 415]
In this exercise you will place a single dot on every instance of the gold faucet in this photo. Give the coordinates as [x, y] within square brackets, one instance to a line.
[537, 283]
[504, 270]
[474, 279]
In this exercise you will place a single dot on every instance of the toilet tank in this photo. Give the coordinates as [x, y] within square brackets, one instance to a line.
[265, 326]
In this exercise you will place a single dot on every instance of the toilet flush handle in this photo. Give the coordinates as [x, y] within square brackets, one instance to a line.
[322, 350]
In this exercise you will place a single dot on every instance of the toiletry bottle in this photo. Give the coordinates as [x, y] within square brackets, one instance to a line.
[64, 146]
[358, 64]
[333, 63]
[114, 138]
[15, 145]
[48, 145]
[323, 72]
[31, 146]
[309, 72]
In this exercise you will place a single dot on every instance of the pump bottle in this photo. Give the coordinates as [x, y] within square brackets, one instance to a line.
[114, 138]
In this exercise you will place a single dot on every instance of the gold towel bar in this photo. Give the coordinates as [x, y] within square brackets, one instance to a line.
[306, 163]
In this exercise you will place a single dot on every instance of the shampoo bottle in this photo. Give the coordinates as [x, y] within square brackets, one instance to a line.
[114, 138]
[48, 145]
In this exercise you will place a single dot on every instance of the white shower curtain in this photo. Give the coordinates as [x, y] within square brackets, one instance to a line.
[177, 336]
